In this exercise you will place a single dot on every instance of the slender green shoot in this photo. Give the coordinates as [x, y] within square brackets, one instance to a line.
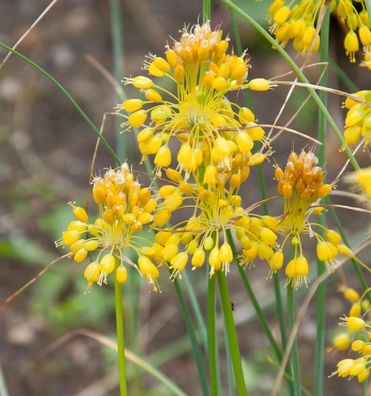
[211, 337]
[120, 338]
[89, 122]
[294, 358]
[232, 334]
[206, 10]
[321, 291]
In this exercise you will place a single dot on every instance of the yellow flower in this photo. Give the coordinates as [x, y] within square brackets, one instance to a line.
[360, 182]
[214, 211]
[358, 119]
[209, 128]
[301, 185]
[124, 208]
[297, 21]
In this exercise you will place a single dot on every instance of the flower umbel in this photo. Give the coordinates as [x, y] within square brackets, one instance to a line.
[210, 129]
[358, 119]
[301, 184]
[359, 327]
[124, 208]
[298, 21]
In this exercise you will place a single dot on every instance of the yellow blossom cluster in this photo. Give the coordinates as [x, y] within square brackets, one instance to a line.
[124, 207]
[301, 184]
[358, 338]
[215, 212]
[358, 119]
[297, 21]
[360, 182]
[210, 130]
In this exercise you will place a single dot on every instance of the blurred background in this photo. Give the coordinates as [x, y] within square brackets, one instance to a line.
[45, 154]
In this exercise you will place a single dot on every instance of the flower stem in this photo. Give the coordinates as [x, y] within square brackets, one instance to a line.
[294, 353]
[206, 10]
[195, 346]
[321, 291]
[232, 334]
[120, 338]
[211, 337]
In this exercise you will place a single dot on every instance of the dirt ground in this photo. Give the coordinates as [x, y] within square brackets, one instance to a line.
[45, 155]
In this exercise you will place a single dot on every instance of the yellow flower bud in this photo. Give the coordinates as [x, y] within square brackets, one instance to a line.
[137, 119]
[281, 15]
[333, 236]
[179, 262]
[121, 274]
[107, 263]
[259, 84]
[80, 214]
[354, 323]
[161, 218]
[153, 96]
[245, 115]
[163, 157]
[244, 142]
[198, 258]
[70, 237]
[341, 341]
[276, 261]
[91, 245]
[208, 243]
[132, 105]
[91, 272]
[142, 82]
[215, 259]
[80, 255]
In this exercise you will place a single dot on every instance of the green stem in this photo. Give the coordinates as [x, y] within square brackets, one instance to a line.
[294, 358]
[120, 338]
[232, 334]
[206, 10]
[321, 290]
[211, 337]
[301, 76]
[118, 70]
[195, 347]
[196, 307]
[70, 98]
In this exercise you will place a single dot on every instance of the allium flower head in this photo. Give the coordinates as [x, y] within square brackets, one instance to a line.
[301, 184]
[210, 129]
[358, 324]
[298, 21]
[358, 119]
[215, 211]
[124, 207]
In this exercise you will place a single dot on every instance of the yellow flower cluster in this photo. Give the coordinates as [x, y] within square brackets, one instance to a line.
[360, 182]
[124, 208]
[358, 323]
[209, 128]
[298, 21]
[216, 211]
[358, 119]
[301, 184]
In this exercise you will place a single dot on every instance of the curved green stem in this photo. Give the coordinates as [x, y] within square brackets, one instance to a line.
[301, 76]
[232, 334]
[211, 337]
[321, 290]
[120, 338]
[70, 98]
[294, 359]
